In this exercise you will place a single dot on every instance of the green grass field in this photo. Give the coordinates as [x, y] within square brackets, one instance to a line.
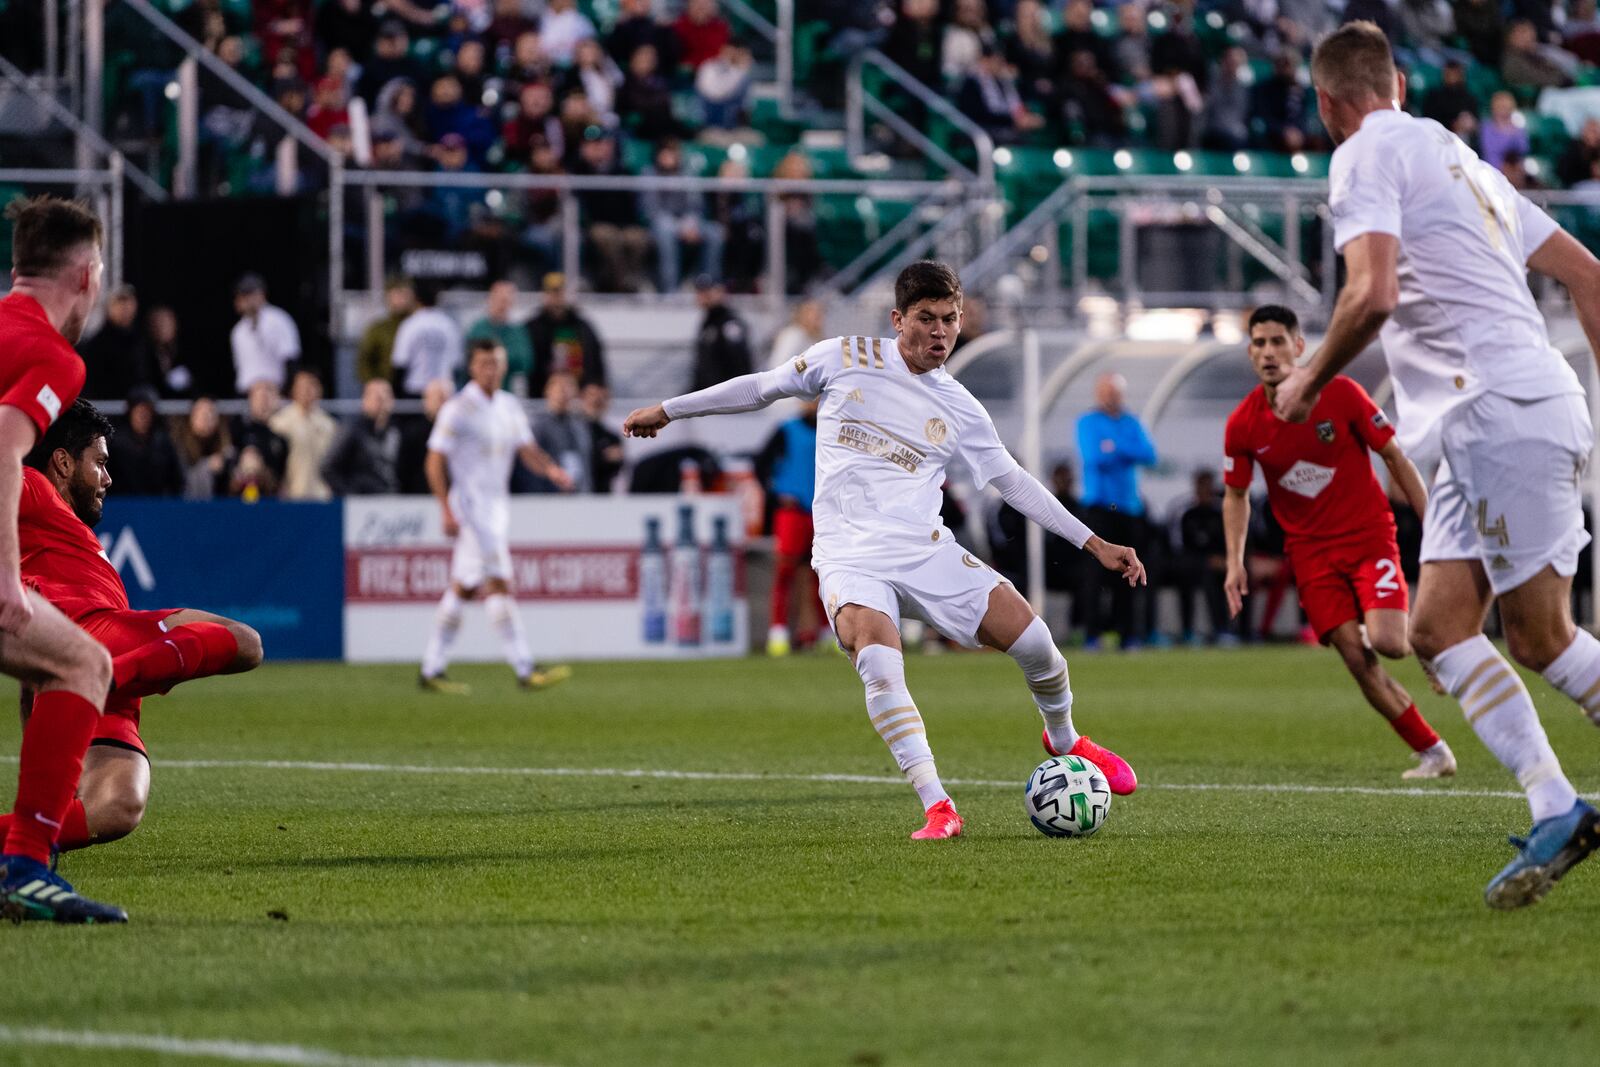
[515, 906]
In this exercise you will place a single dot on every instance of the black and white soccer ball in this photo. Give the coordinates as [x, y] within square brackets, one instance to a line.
[1067, 796]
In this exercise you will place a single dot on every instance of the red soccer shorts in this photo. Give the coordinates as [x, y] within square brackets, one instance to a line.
[123, 631]
[792, 530]
[1344, 581]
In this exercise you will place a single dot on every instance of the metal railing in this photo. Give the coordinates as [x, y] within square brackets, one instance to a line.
[859, 103]
[106, 188]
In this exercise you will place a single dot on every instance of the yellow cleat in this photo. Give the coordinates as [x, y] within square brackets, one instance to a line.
[441, 684]
[546, 678]
[778, 641]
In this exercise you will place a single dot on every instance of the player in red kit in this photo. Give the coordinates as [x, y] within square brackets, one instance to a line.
[64, 486]
[1339, 531]
[56, 271]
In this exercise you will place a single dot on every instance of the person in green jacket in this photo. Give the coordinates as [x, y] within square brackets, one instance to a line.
[496, 325]
[375, 354]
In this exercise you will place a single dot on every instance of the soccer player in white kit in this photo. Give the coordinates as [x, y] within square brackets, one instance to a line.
[1437, 245]
[479, 433]
[891, 420]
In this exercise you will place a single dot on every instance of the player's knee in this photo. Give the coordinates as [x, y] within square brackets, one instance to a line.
[86, 668]
[251, 652]
[1427, 641]
[1536, 647]
[1391, 645]
[117, 816]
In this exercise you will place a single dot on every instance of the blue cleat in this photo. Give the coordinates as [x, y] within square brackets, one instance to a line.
[33, 892]
[1553, 847]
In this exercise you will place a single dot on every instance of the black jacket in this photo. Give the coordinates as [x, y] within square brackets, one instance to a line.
[145, 466]
[364, 459]
[274, 449]
[564, 342]
[721, 349]
[115, 360]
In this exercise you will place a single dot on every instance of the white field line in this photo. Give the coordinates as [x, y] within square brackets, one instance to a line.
[237, 1051]
[748, 776]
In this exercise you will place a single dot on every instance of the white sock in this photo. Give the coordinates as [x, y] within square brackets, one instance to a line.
[507, 622]
[446, 624]
[895, 717]
[1497, 706]
[1576, 672]
[1046, 671]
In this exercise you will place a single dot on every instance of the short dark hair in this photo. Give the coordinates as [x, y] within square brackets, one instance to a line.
[1354, 60]
[426, 290]
[74, 431]
[925, 279]
[1275, 313]
[46, 231]
[481, 344]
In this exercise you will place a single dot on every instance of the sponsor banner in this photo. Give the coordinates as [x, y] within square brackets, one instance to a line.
[277, 566]
[596, 577]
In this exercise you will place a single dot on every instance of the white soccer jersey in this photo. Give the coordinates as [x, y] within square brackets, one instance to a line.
[479, 436]
[1466, 323]
[884, 439]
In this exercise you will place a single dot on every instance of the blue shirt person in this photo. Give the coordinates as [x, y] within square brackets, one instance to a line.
[1114, 446]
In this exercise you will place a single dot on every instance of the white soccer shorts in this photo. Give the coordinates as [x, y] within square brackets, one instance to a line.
[1510, 490]
[949, 591]
[483, 547]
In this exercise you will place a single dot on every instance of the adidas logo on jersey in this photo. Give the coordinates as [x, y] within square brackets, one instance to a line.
[855, 396]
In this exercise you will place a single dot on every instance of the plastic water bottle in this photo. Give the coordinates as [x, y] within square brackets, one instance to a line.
[684, 592]
[653, 583]
[719, 583]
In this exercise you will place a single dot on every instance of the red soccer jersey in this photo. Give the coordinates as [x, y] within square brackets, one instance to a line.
[1319, 476]
[40, 373]
[60, 556]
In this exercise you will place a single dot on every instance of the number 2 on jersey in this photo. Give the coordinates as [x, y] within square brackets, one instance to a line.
[1388, 582]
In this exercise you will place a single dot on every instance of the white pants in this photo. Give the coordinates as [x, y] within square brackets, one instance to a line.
[483, 547]
[1510, 490]
[949, 591]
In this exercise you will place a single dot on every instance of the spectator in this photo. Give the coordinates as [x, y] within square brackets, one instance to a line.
[787, 466]
[1030, 50]
[428, 345]
[541, 212]
[1077, 35]
[1278, 105]
[265, 340]
[173, 375]
[327, 108]
[803, 330]
[283, 27]
[308, 432]
[1452, 105]
[1503, 132]
[1515, 168]
[966, 38]
[599, 78]
[1203, 562]
[644, 103]
[529, 63]
[1225, 120]
[375, 353]
[347, 24]
[701, 32]
[1525, 66]
[1581, 34]
[390, 59]
[449, 113]
[1482, 25]
[496, 325]
[562, 430]
[254, 431]
[637, 26]
[560, 30]
[722, 346]
[364, 461]
[1577, 162]
[469, 70]
[399, 117]
[577, 116]
[450, 210]
[916, 43]
[611, 218]
[510, 22]
[534, 124]
[563, 340]
[116, 358]
[144, 461]
[678, 220]
[1090, 105]
[1178, 50]
[743, 221]
[1112, 446]
[205, 450]
[1176, 103]
[722, 85]
[605, 445]
[1130, 49]
[989, 96]
[414, 433]
[802, 253]
[252, 477]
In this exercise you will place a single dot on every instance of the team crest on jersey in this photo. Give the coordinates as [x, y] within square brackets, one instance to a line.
[1325, 431]
[800, 365]
[936, 431]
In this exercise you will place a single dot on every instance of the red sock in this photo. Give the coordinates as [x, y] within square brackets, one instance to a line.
[74, 828]
[186, 652]
[53, 743]
[782, 581]
[1414, 730]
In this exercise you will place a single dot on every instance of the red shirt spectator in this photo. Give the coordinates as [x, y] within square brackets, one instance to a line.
[328, 107]
[701, 32]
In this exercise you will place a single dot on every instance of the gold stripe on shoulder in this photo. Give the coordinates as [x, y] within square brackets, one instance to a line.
[844, 349]
[877, 353]
[860, 345]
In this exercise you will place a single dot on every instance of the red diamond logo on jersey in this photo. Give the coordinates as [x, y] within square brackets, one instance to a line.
[1307, 479]
[1325, 431]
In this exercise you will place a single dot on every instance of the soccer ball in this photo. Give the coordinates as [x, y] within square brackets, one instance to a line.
[1067, 796]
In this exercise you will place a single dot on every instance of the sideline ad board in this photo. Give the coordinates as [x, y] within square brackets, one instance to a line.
[597, 577]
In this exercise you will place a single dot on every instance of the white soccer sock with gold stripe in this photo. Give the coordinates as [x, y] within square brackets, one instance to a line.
[1576, 672]
[897, 720]
[1046, 671]
[1498, 708]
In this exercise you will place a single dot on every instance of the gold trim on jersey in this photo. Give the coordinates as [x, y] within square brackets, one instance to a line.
[853, 352]
[877, 353]
[844, 351]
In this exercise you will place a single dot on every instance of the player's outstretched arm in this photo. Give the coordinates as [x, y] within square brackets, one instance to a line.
[1371, 291]
[17, 436]
[1406, 476]
[1235, 525]
[1022, 491]
[747, 392]
[1561, 257]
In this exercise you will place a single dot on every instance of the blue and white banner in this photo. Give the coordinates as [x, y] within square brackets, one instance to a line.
[278, 567]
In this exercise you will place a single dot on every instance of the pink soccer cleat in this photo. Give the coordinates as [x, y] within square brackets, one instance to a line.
[1118, 774]
[943, 822]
